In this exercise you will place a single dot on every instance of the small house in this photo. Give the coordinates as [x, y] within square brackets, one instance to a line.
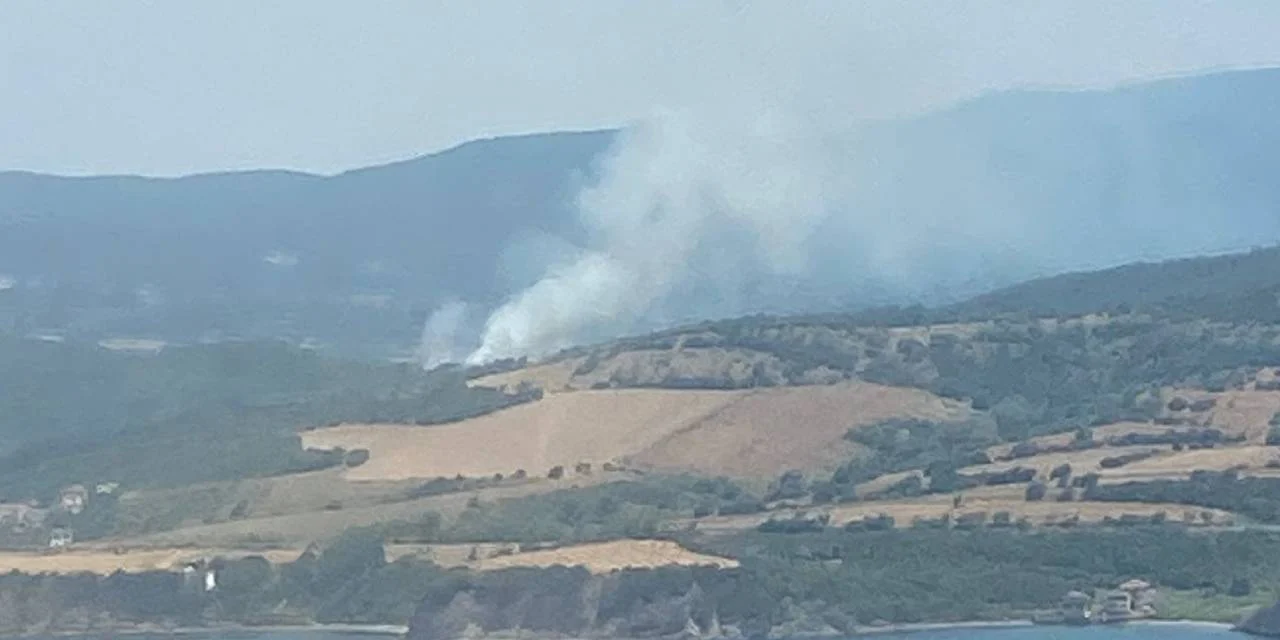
[1076, 608]
[73, 499]
[61, 538]
[1117, 604]
[1142, 596]
[1131, 600]
[199, 575]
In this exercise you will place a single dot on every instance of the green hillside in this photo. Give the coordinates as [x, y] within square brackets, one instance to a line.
[78, 413]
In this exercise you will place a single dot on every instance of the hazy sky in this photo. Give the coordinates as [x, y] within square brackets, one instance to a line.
[171, 87]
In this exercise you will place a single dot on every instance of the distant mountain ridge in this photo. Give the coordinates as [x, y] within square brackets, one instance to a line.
[356, 261]
[417, 231]
[1237, 287]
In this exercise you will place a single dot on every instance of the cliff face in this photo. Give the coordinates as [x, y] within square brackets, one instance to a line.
[566, 602]
[1264, 622]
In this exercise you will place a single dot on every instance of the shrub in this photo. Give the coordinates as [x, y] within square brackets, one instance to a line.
[882, 522]
[356, 457]
[1273, 434]
[1036, 492]
[789, 486]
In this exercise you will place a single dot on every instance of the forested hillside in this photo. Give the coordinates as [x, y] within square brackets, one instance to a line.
[1239, 287]
[79, 413]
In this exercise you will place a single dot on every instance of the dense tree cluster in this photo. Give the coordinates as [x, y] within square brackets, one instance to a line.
[200, 413]
[1254, 498]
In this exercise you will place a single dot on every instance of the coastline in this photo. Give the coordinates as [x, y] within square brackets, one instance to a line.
[915, 627]
[399, 631]
[1203, 624]
[384, 630]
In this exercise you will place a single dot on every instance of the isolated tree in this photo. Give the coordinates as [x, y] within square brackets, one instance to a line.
[1240, 587]
[1036, 491]
[789, 486]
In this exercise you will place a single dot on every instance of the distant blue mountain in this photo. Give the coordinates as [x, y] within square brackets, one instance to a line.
[1018, 185]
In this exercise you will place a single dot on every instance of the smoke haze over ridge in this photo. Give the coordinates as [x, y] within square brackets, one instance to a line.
[769, 208]
[791, 192]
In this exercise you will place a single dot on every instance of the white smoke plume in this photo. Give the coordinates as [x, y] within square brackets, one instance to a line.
[780, 195]
[674, 186]
[441, 335]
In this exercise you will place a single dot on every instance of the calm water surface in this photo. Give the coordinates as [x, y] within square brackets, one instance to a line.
[1131, 632]
[1127, 632]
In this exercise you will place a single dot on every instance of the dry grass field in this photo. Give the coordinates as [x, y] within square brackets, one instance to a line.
[1082, 462]
[106, 562]
[987, 500]
[743, 433]
[597, 557]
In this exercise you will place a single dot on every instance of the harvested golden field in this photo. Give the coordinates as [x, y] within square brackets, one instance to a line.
[1246, 412]
[773, 430]
[599, 557]
[562, 429]
[1082, 462]
[1100, 434]
[1237, 412]
[1220, 459]
[758, 432]
[1166, 464]
[104, 562]
[988, 500]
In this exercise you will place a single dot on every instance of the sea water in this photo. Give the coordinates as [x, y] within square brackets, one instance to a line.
[1141, 631]
[1153, 631]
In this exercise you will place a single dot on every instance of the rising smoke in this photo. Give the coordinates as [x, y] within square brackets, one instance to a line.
[710, 214]
[674, 190]
[718, 213]
[783, 195]
[443, 334]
